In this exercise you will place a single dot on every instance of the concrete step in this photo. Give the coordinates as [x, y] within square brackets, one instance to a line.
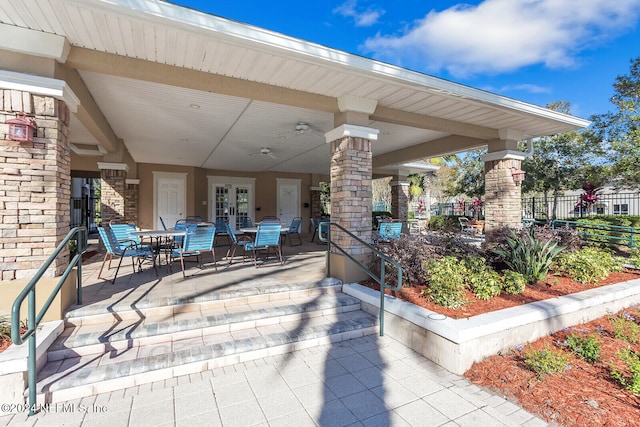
[127, 332]
[190, 336]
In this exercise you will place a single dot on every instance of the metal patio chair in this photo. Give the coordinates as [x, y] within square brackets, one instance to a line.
[197, 241]
[113, 247]
[267, 238]
[294, 229]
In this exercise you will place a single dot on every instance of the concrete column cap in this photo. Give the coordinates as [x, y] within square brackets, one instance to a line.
[353, 131]
[113, 166]
[504, 154]
[400, 183]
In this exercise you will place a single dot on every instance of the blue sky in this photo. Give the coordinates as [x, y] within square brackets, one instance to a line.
[538, 51]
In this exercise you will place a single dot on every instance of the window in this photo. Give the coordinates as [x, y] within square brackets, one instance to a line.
[621, 209]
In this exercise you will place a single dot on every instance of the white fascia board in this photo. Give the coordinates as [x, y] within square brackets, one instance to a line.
[36, 43]
[505, 154]
[352, 131]
[38, 85]
[249, 36]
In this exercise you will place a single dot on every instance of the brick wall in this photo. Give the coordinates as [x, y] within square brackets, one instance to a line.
[400, 201]
[131, 203]
[351, 196]
[35, 186]
[113, 195]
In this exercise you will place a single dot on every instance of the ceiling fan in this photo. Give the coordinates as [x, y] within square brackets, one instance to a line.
[301, 128]
[264, 151]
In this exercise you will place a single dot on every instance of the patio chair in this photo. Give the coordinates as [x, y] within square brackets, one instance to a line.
[465, 227]
[246, 222]
[389, 231]
[267, 237]
[294, 229]
[124, 236]
[236, 243]
[197, 240]
[316, 228]
[113, 247]
[193, 219]
[221, 230]
[270, 218]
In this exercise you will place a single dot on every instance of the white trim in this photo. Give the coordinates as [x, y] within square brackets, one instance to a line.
[400, 183]
[315, 189]
[132, 181]
[114, 166]
[357, 104]
[36, 43]
[99, 151]
[505, 154]
[39, 85]
[352, 131]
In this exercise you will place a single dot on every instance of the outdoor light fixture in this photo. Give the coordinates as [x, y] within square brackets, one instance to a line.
[21, 128]
[518, 175]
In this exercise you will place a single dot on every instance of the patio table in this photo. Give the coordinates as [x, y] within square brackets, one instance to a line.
[158, 236]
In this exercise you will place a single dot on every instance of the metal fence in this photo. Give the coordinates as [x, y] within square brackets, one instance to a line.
[570, 207]
[84, 212]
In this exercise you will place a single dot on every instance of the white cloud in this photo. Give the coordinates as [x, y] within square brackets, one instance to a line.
[365, 18]
[504, 35]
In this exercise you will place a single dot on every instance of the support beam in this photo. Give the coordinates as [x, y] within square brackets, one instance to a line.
[439, 147]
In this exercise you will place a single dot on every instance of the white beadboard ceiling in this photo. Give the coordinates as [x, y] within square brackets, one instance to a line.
[158, 124]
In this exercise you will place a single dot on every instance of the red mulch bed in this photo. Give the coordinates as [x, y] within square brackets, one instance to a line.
[584, 395]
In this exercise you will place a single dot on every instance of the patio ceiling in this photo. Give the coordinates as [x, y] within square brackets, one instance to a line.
[182, 87]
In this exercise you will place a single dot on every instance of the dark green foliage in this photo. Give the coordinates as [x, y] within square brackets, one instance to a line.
[444, 223]
[632, 381]
[588, 265]
[528, 256]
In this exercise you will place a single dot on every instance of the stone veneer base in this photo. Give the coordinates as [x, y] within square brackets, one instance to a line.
[457, 344]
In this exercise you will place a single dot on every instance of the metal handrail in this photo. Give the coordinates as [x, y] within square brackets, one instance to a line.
[33, 319]
[586, 228]
[371, 274]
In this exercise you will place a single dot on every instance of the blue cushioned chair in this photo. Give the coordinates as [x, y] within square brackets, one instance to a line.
[114, 248]
[389, 231]
[236, 243]
[198, 239]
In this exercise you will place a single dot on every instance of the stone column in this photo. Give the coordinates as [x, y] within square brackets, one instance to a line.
[400, 200]
[131, 200]
[503, 203]
[113, 191]
[351, 197]
[35, 186]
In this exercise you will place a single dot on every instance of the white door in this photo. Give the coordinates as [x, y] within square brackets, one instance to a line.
[170, 200]
[288, 199]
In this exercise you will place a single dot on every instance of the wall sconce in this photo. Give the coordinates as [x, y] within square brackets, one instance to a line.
[21, 128]
[518, 175]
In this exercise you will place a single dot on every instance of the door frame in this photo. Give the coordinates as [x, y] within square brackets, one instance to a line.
[157, 176]
[233, 181]
[289, 181]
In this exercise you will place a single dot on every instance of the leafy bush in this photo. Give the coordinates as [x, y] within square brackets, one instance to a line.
[446, 281]
[528, 256]
[545, 362]
[625, 328]
[444, 223]
[634, 258]
[631, 382]
[513, 282]
[411, 253]
[566, 236]
[586, 347]
[484, 282]
[619, 236]
[5, 328]
[588, 265]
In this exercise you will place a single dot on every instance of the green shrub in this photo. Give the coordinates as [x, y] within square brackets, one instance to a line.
[546, 361]
[513, 282]
[619, 237]
[527, 255]
[625, 328]
[5, 328]
[484, 282]
[634, 258]
[631, 382]
[444, 223]
[586, 347]
[446, 281]
[588, 265]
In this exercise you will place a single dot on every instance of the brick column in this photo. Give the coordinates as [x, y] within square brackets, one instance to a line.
[351, 195]
[131, 200]
[35, 186]
[400, 200]
[113, 191]
[503, 203]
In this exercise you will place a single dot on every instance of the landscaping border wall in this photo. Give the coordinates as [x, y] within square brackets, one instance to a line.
[455, 344]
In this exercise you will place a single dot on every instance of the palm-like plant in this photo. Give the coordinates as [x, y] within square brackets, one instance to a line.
[528, 256]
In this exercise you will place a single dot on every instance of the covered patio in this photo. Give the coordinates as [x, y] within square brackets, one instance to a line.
[182, 113]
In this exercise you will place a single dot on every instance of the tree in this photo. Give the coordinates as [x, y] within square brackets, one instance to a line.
[469, 174]
[620, 130]
[562, 162]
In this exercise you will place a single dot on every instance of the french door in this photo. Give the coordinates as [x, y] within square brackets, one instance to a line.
[232, 199]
